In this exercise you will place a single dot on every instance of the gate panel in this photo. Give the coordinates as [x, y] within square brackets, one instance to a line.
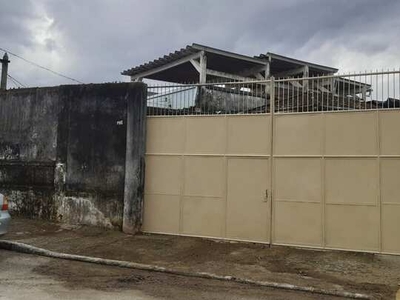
[298, 223]
[298, 135]
[163, 175]
[162, 194]
[389, 133]
[297, 197]
[297, 179]
[298, 207]
[351, 133]
[205, 135]
[327, 181]
[203, 216]
[351, 181]
[352, 211]
[352, 227]
[204, 177]
[161, 213]
[390, 191]
[208, 176]
[390, 174]
[248, 196]
[390, 228]
[165, 135]
[249, 135]
[203, 211]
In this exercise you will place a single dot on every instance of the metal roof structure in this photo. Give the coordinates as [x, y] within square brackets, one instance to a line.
[280, 63]
[185, 65]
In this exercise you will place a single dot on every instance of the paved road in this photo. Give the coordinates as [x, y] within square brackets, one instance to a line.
[25, 276]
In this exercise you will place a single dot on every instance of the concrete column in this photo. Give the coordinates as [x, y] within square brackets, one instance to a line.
[267, 71]
[4, 72]
[203, 68]
[136, 99]
[202, 80]
[306, 73]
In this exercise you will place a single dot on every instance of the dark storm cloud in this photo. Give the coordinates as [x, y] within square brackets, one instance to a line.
[95, 40]
[12, 22]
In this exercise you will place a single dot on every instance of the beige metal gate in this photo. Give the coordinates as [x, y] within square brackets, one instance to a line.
[206, 176]
[332, 181]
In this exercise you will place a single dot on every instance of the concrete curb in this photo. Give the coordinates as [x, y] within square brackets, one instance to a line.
[25, 248]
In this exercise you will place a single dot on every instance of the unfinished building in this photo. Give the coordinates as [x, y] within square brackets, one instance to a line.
[207, 78]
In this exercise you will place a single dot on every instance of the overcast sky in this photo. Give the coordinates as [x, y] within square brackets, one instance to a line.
[94, 40]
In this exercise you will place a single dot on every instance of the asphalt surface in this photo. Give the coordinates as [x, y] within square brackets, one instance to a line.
[24, 276]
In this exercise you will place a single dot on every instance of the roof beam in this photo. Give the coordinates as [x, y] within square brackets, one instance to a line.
[166, 66]
[296, 84]
[228, 54]
[253, 71]
[273, 56]
[228, 75]
[322, 88]
[196, 65]
[259, 76]
[290, 72]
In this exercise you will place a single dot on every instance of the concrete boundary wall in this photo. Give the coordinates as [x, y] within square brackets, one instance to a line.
[63, 152]
[332, 181]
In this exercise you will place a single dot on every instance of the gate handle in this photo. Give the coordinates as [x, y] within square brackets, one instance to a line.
[266, 196]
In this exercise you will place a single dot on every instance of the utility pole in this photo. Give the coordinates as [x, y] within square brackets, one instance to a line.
[4, 72]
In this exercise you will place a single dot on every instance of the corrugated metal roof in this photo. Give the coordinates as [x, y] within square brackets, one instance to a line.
[196, 48]
[279, 57]
[188, 50]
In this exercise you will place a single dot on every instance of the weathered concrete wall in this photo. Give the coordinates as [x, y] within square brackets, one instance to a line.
[62, 152]
[28, 117]
[135, 159]
[93, 127]
[28, 146]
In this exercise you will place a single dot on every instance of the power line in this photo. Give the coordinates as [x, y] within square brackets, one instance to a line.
[15, 84]
[15, 80]
[39, 66]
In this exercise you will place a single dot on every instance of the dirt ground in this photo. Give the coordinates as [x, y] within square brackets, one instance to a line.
[378, 275]
[25, 276]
